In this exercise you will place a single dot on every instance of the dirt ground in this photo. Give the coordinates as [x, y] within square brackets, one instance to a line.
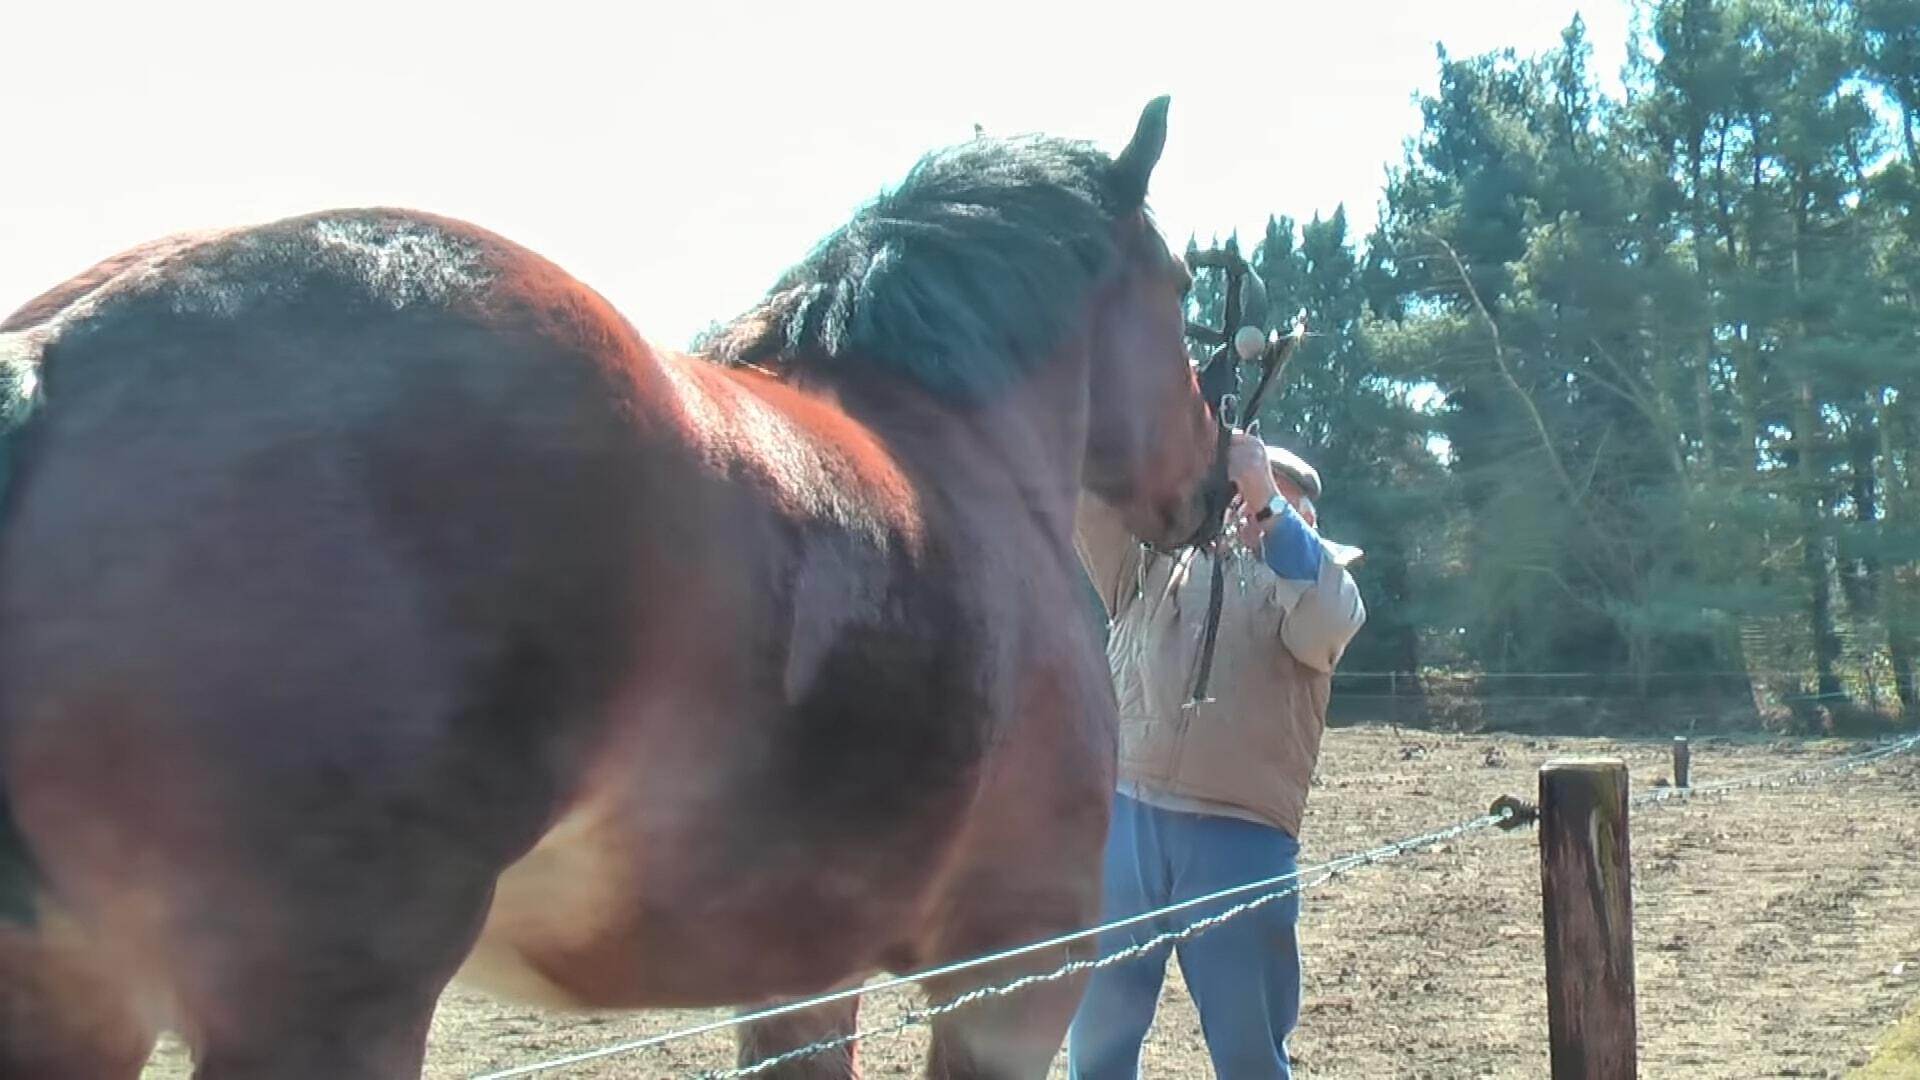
[1777, 930]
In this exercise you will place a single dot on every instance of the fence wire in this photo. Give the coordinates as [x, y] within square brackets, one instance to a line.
[1276, 888]
[1784, 777]
[1280, 886]
[1320, 875]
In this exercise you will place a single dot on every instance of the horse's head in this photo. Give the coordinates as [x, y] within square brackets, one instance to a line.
[1153, 447]
[991, 260]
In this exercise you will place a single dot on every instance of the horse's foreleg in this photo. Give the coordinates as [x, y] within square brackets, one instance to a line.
[760, 1040]
[1003, 1037]
[62, 1016]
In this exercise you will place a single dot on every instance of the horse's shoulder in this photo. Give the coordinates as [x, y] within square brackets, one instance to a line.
[815, 460]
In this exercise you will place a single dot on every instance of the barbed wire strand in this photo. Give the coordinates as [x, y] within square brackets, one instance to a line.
[1579, 699]
[1327, 870]
[1784, 776]
[1326, 873]
[1322, 874]
[1596, 676]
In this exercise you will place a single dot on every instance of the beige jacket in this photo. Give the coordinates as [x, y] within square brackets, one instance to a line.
[1251, 752]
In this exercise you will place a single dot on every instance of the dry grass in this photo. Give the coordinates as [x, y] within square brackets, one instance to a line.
[1899, 1055]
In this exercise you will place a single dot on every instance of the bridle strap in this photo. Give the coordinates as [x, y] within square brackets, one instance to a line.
[1276, 361]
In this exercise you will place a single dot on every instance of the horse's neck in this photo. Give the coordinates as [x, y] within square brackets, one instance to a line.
[1028, 445]
[1022, 450]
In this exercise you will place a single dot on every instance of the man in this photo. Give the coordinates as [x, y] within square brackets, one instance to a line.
[1211, 795]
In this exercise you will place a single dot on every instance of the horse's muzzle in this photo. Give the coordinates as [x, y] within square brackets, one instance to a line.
[1214, 496]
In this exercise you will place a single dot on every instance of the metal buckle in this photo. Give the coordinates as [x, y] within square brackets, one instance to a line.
[1230, 410]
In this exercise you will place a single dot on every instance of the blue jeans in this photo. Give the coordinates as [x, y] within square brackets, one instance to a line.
[1244, 974]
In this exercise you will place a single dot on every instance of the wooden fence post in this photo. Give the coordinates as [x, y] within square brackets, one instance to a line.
[1682, 763]
[1585, 876]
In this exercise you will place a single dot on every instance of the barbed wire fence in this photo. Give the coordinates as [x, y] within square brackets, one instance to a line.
[1508, 813]
[1277, 888]
[1782, 699]
[1784, 777]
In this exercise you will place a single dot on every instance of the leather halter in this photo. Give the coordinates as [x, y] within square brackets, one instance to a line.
[1273, 360]
[1274, 357]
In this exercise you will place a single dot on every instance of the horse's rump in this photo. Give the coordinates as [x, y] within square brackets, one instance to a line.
[18, 876]
[19, 383]
[339, 448]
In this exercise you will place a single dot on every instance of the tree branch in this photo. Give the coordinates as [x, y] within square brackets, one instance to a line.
[1506, 372]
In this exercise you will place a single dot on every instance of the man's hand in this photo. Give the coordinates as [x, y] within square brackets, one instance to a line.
[1248, 468]
[1252, 476]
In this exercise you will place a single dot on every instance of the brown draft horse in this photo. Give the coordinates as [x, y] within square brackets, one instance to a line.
[378, 608]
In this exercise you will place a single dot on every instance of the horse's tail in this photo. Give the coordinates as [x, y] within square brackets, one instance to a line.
[19, 399]
[19, 877]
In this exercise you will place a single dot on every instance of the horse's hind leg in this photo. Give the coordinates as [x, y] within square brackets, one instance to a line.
[305, 903]
[760, 1040]
[334, 969]
[274, 774]
[61, 1015]
[1013, 1036]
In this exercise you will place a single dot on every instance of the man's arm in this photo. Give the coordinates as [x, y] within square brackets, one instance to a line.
[1109, 551]
[1318, 601]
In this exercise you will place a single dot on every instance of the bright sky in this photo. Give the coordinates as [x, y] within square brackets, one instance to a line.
[679, 159]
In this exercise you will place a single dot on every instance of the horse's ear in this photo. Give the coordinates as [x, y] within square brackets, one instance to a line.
[1134, 167]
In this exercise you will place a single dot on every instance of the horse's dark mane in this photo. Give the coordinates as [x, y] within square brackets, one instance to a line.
[962, 277]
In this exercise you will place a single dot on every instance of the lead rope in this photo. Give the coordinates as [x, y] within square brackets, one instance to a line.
[1216, 596]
